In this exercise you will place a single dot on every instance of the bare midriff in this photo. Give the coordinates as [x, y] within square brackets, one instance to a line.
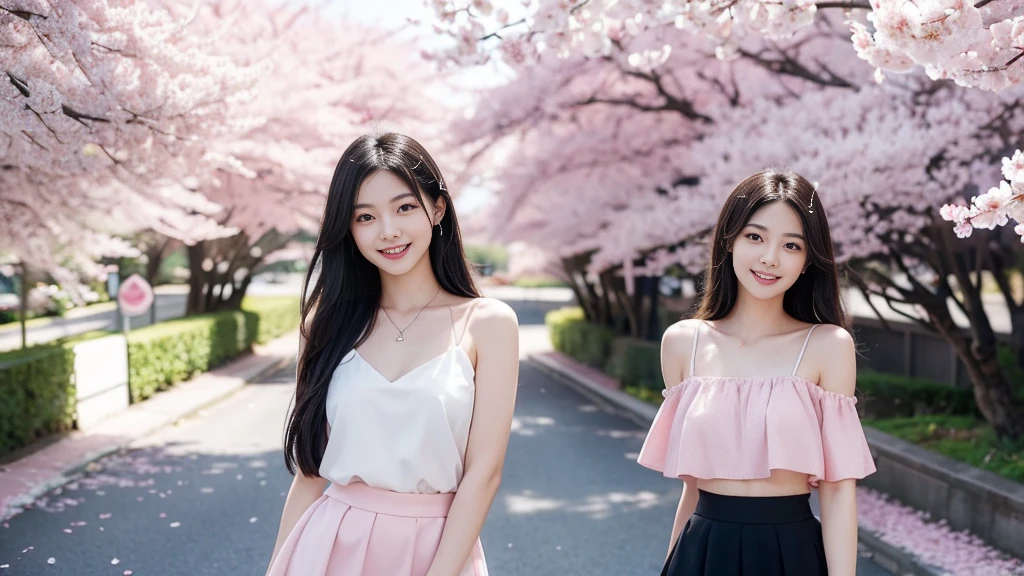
[780, 483]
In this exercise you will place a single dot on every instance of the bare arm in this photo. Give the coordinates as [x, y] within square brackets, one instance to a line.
[495, 331]
[676, 346]
[303, 492]
[839, 499]
[687, 504]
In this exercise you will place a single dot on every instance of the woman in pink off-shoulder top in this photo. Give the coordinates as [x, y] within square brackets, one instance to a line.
[759, 406]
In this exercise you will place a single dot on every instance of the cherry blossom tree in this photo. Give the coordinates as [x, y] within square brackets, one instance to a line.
[975, 44]
[620, 172]
[342, 81]
[104, 109]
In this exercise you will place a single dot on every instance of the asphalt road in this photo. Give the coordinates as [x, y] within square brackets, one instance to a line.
[204, 497]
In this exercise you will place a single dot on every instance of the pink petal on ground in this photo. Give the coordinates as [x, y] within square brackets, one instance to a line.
[933, 543]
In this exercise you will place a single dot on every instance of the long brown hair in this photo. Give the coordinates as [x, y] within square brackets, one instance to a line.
[342, 306]
[815, 297]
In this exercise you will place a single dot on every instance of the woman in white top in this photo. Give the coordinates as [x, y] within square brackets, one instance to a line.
[405, 386]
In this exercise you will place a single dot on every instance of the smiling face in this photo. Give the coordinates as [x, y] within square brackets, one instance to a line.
[770, 252]
[389, 226]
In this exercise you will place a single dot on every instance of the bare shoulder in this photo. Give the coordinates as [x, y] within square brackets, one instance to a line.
[491, 318]
[676, 347]
[679, 336]
[835, 354]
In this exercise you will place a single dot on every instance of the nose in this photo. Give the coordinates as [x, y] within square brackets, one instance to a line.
[770, 257]
[389, 229]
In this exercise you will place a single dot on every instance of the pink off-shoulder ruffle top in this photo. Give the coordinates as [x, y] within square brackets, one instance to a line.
[741, 428]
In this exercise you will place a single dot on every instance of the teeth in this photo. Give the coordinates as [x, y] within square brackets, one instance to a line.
[765, 277]
[395, 250]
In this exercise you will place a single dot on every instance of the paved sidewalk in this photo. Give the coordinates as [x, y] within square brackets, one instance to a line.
[23, 480]
[605, 390]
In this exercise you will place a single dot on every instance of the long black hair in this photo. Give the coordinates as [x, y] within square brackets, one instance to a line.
[341, 308]
[815, 297]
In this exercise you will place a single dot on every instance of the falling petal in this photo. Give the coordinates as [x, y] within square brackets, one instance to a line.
[163, 515]
[115, 561]
[105, 516]
[67, 530]
[51, 560]
[127, 573]
[252, 520]
[175, 524]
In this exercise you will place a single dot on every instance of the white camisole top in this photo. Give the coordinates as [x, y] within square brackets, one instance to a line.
[408, 435]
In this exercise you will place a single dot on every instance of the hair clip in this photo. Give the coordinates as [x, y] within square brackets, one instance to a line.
[810, 207]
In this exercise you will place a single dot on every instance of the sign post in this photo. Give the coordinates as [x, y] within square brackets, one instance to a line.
[134, 297]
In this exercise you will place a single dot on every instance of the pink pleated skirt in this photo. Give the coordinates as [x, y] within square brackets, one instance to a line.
[357, 530]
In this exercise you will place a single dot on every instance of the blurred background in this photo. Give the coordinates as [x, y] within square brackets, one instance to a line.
[163, 170]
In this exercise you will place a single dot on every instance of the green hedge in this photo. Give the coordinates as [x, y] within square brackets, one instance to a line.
[36, 384]
[278, 315]
[572, 335]
[171, 352]
[636, 363]
[38, 397]
[892, 396]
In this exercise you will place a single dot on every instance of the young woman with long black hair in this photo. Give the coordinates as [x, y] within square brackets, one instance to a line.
[759, 404]
[406, 382]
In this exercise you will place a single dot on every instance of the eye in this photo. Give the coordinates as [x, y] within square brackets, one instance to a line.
[363, 218]
[754, 236]
[406, 207]
[793, 246]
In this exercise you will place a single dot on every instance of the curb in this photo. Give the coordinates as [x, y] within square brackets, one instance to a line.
[261, 368]
[896, 560]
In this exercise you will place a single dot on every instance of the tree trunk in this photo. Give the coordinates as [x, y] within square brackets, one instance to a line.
[654, 321]
[231, 262]
[992, 391]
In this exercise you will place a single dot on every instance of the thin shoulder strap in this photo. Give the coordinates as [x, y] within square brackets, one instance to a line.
[693, 353]
[455, 337]
[801, 356]
[465, 323]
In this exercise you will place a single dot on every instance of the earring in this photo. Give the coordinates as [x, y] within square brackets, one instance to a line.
[440, 229]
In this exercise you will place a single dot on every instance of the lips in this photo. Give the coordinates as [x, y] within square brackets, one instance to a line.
[763, 278]
[394, 252]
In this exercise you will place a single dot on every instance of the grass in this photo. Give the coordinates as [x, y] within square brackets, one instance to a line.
[964, 438]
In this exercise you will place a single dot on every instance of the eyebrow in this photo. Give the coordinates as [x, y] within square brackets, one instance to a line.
[765, 228]
[395, 199]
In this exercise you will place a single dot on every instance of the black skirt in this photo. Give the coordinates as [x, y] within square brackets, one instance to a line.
[749, 536]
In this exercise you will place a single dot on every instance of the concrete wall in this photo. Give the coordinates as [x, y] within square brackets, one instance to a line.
[990, 506]
[101, 379]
